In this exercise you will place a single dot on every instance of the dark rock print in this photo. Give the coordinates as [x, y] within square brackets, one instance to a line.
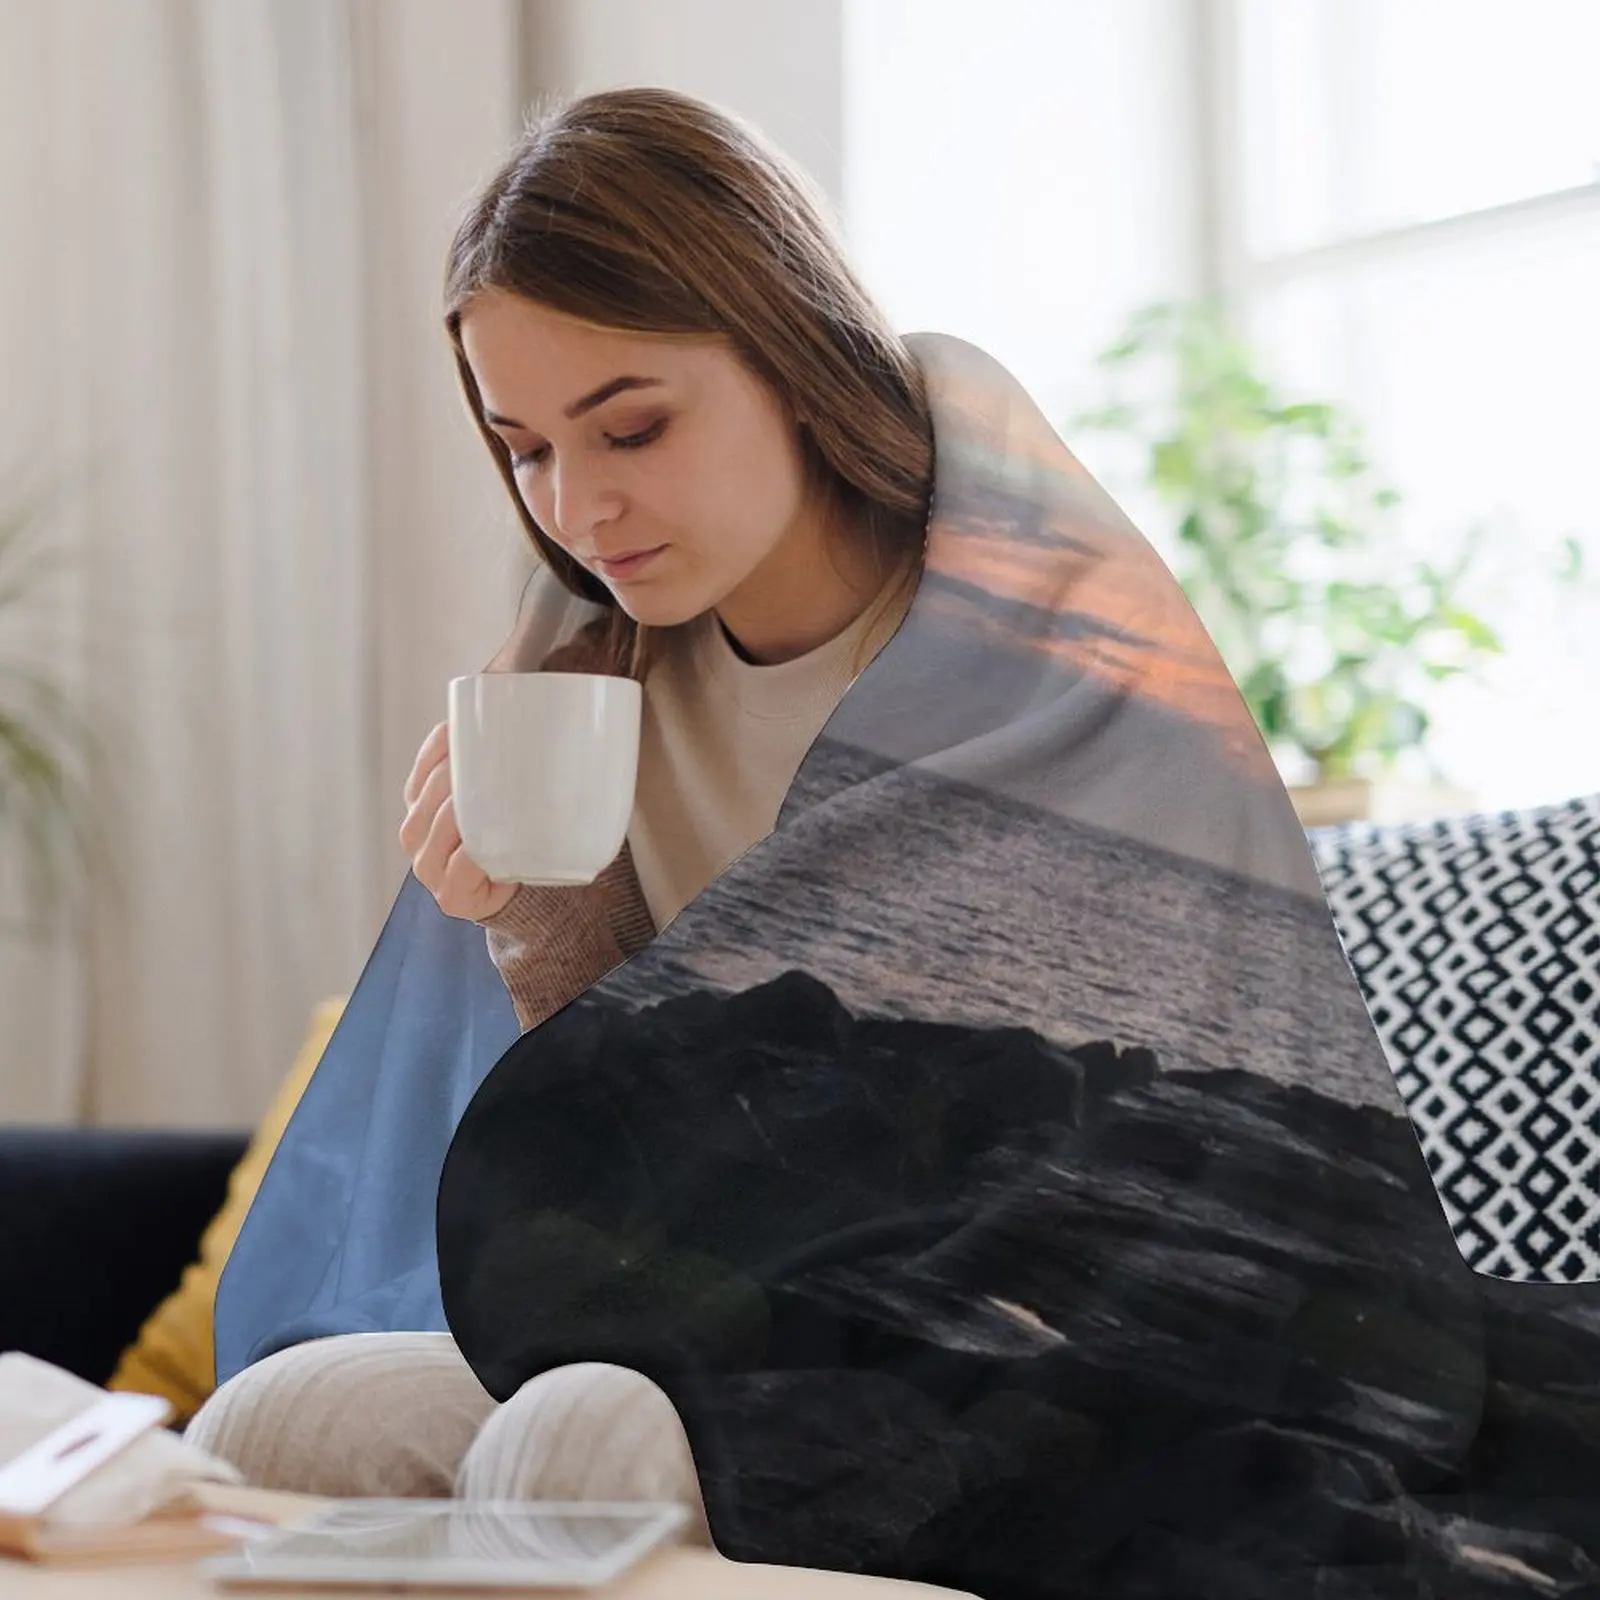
[967, 1306]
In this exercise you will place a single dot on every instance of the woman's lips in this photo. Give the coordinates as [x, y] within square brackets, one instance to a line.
[626, 566]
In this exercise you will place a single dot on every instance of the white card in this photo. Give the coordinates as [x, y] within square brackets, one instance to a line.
[33, 1481]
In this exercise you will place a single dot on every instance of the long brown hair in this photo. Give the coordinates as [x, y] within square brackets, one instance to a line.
[648, 211]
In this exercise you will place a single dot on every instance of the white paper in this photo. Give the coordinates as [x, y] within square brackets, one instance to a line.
[155, 1469]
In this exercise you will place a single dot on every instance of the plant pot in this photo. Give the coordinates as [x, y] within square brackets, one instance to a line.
[1320, 805]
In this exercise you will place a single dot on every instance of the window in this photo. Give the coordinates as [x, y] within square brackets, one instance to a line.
[1408, 219]
[1366, 115]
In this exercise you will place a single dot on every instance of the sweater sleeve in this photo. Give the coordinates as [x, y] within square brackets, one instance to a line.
[550, 943]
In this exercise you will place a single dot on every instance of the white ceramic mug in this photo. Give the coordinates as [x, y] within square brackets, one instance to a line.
[543, 767]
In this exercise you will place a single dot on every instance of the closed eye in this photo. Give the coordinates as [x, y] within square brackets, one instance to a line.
[629, 441]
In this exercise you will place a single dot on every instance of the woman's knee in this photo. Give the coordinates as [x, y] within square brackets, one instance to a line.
[589, 1431]
[357, 1414]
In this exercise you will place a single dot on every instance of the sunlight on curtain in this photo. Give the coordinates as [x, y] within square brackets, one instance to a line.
[223, 247]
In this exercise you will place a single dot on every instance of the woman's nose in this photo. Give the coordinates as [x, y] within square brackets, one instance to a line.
[584, 500]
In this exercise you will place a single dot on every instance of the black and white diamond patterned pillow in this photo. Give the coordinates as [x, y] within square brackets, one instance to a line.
[1477, 943]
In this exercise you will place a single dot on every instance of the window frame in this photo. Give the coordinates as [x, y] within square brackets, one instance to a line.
[1227, 269]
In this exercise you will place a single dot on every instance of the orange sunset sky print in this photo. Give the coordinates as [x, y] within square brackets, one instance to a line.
[1080, 562]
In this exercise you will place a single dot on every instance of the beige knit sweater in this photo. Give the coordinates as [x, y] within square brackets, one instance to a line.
[720, 742]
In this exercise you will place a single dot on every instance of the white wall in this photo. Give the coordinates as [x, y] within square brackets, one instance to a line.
[775, 62]
[1019, 173]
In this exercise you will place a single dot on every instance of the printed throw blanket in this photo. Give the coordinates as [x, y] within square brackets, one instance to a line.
[996, 1165]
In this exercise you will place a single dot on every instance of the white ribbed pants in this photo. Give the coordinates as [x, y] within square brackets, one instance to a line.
[401, 1414]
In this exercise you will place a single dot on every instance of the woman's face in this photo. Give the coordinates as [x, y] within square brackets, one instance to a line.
[662, 464]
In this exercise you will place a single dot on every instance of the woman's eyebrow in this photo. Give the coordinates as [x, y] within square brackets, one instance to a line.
[578, 407]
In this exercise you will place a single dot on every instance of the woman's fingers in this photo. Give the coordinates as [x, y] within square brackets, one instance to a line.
[435, 748]
[443, 839]
[419, 819]
[431, 836]
[456, 881]
[469, 891]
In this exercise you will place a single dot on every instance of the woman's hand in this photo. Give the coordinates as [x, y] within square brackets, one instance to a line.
[429, 835]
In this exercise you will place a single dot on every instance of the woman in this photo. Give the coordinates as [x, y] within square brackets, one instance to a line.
[709, 431]
[947, 1144]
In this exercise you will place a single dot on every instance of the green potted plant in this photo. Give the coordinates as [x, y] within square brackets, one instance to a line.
[47, 753]
[1290, 548]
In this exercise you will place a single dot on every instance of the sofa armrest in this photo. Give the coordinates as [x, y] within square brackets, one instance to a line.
[96, 1227]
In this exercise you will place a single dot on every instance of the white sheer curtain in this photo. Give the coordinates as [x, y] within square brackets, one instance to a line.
[219, 273]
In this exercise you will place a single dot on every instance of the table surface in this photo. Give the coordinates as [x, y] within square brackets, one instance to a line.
[674, 1574]
[681, 1572]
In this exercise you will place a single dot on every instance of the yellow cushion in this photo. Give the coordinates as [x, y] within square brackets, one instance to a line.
[173, 1355]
